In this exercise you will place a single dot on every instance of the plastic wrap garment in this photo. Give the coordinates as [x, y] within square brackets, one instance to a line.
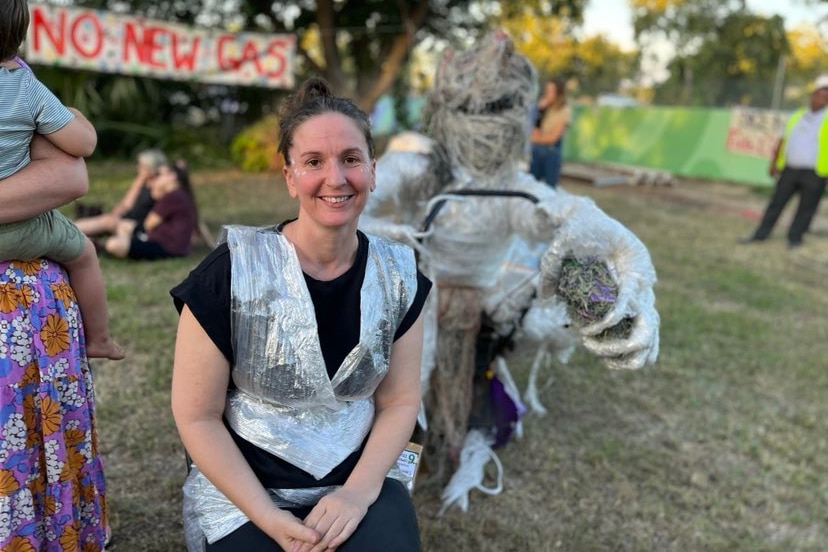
[210, 516]
[285, 402]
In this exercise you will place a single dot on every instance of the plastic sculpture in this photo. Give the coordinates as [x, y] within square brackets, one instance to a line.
[512, 258]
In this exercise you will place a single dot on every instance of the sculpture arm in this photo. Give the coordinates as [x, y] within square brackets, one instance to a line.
[574, 225]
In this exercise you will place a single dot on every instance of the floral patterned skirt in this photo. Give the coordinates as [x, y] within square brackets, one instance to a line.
[52, 489]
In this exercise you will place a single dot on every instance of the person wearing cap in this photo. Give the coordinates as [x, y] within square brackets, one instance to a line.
[800, 160]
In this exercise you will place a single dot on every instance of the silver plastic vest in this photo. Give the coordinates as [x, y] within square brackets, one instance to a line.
[284, 401]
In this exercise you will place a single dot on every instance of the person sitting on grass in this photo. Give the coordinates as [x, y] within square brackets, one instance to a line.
[136, 202]
[28, 107]
[168, 228]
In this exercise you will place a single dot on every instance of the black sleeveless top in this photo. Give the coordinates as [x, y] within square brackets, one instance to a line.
[142, 206]
[206, 291]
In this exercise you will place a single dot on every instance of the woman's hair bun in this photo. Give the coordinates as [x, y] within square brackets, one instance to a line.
[312, 89]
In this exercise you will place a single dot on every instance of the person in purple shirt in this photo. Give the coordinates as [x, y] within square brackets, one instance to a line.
[168, 228]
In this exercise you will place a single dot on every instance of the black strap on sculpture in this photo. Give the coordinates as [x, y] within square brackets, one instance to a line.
[438, 206]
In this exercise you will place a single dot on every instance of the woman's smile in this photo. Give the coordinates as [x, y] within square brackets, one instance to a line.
[331, 171]
[335, 199]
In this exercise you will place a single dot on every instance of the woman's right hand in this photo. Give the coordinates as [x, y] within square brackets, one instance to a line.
[289, 531]
[144, 173]
[142, 177]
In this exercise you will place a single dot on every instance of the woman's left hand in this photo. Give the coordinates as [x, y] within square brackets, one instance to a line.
[336, 517]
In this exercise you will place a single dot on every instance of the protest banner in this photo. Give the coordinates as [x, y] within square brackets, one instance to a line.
[754, 131]
[116, 43]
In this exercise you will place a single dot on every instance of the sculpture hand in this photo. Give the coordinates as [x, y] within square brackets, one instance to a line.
[587, 232]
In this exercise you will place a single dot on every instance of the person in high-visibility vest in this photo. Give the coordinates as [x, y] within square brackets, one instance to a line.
[800, 160]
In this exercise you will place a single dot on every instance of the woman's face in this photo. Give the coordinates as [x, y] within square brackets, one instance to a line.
[331, 172]
[551, 91]
[165, 182]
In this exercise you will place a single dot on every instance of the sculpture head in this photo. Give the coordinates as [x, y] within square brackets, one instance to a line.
[479, 106]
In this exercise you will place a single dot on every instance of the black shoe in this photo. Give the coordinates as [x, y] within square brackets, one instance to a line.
[794, 245]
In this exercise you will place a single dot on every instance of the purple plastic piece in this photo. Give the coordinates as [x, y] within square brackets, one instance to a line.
[505, 412]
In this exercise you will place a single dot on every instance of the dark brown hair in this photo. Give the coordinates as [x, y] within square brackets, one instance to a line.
[182, 176]
[14, 22]
[560, 91]
[314, 97]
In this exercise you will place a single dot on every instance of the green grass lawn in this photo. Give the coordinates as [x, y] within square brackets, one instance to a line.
[718, 447]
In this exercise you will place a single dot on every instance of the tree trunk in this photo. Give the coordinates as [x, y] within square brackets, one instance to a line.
[448, 402]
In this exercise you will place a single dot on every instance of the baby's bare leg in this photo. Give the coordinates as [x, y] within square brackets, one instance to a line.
[87, 281]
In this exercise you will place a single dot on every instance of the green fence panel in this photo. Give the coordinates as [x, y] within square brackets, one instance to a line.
[689, 142]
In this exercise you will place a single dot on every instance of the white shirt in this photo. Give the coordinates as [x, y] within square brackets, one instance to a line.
[803, 143]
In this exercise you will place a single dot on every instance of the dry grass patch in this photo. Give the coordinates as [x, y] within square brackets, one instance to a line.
[719, 447]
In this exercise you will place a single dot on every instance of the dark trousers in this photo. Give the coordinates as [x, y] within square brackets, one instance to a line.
[546, 162]
[389, 525]
[810, 188]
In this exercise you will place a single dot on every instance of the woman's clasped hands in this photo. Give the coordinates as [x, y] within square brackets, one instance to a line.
[335, 518]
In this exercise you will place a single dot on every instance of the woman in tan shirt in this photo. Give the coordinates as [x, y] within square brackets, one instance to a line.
[547, 136]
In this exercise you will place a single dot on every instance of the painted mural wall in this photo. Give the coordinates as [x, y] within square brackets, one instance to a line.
[719, 144]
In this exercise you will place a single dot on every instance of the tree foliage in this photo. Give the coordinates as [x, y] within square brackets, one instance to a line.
[724, 54]
[591, 66]
[806, 61]
[547, 42]
[682, 23]
[359, 46]
[362, 47]
[735, 66]
[605, 67]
